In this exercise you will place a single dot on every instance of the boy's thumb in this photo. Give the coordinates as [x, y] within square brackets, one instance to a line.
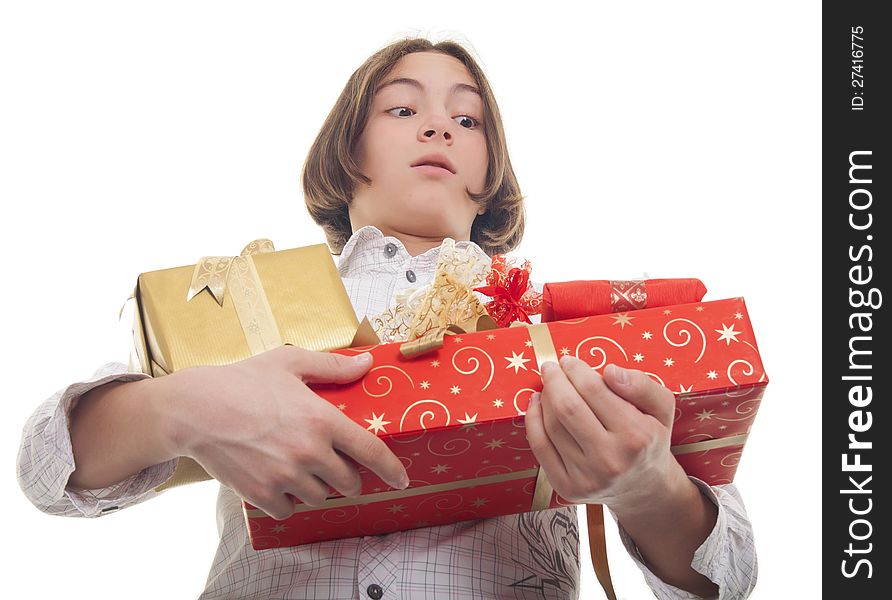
[331, 367]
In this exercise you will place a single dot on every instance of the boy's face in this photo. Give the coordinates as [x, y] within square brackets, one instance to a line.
[406, 123]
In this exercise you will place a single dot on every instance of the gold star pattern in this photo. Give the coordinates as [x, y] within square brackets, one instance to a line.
[490, 337]
[699, 309]
[516, 361]
[705, 415]
[738, 315]
[728, 334]
[396, 508]
[712, 375]
[667, 312]
[565, 351]
[440, 469]
[279, 528]
[647, 335]
[493, 444]
[638, 357]
[623, 319]
[497, 403]
[468, 419]
[528, 343]
[425, 384]
[342, 406]
[668, 362]
[480, 502]
[435, 363]
[457, 339]
[377, 423]
[454, 389]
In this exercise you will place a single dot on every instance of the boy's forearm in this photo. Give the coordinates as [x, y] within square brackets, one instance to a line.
[117, 430]
[668, 533]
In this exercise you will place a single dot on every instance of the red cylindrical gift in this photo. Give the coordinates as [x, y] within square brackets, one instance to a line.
[573, 299]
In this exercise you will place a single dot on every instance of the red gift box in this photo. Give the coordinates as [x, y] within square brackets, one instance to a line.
[455, 415]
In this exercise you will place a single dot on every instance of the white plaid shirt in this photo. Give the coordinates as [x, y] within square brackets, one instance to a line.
[528, 555]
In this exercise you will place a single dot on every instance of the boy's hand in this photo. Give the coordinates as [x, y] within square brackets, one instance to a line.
[603, 440]
[257, 428]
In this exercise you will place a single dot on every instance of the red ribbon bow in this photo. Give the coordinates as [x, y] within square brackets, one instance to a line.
[514, 297]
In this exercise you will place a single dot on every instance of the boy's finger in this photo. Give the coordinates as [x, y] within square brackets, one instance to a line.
[641, 391]
[541, 445]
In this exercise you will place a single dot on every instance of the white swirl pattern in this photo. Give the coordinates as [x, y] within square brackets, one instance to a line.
[441, 501]
[428, 413]
[476, 362]
[747, 408]
[492, 470]
[747, 371]
[686, 334]
[448, 445]
[517, 395]
[338, 516]
[381, 378]
[598, 349]
[732, 460]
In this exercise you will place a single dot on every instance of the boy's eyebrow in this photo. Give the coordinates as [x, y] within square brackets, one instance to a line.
[458, 87]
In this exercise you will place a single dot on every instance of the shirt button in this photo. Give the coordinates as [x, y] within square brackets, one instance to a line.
[390, 249]
[374, 591]
[410, 275]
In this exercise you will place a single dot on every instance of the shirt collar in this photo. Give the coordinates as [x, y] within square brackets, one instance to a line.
[366, 251]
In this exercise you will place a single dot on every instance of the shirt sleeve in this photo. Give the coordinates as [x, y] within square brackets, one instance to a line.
[46, 460]
[727, 557]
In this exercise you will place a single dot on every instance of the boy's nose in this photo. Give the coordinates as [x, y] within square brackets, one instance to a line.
[433, 132]
[435, 123]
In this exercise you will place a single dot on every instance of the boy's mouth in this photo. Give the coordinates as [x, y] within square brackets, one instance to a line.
[439, 161]
[433, 170]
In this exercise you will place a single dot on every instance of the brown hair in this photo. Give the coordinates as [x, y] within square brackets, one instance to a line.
[330, 174]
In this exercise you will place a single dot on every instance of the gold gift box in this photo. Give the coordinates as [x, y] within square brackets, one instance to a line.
[225, 309]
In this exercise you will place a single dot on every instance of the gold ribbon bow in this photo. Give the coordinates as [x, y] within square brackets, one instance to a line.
[239, 275]
[433, 339]
[448, 300]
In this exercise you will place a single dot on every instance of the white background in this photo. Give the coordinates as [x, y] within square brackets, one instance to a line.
[672, 139]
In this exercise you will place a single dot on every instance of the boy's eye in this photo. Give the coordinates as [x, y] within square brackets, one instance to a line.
[400, 108]
[473, 121]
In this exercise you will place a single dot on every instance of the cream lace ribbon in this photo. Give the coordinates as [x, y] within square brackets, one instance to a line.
[448, 299]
